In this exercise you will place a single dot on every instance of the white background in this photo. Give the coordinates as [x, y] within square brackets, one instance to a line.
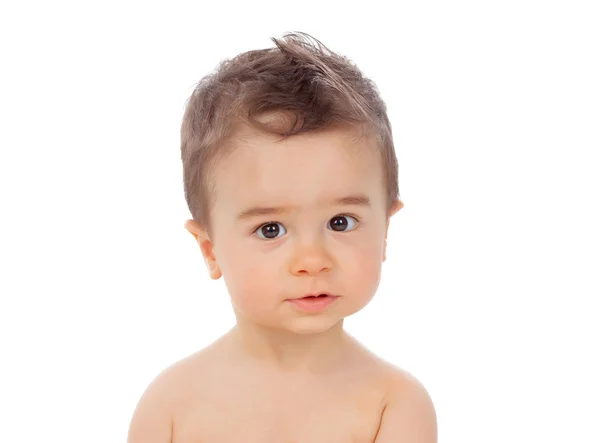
[490, 289]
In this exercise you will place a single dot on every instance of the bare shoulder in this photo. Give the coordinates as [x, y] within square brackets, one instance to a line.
[152, 420]
[409, 413]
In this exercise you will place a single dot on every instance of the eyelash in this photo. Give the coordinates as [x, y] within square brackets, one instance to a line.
[356, 219]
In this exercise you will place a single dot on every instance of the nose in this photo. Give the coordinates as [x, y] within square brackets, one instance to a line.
[311, 258]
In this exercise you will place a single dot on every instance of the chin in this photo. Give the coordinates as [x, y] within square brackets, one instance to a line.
[312, 325]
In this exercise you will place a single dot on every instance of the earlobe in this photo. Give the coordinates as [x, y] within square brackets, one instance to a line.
[206, 247]
[398, 204]
[395, 208]
[213, 269]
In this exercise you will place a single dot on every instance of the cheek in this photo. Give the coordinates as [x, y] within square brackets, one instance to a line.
[367, 269]
[251, 283]
[362, 268]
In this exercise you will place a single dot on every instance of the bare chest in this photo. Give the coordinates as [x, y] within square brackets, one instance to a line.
[260, 412]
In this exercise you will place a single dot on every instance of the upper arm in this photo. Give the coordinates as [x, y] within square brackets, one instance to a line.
[409, 415]
[151, 421]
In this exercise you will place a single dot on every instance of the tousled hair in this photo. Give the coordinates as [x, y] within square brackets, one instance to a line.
[296, 87]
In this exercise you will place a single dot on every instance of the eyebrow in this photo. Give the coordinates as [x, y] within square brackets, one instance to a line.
[350, 200]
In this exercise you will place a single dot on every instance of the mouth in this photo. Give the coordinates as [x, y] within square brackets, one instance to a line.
[314, 302]
[315, 296]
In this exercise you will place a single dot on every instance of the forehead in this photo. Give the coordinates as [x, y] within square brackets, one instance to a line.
[302, 170]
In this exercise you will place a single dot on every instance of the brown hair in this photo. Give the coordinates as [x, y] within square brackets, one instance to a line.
[302, 83]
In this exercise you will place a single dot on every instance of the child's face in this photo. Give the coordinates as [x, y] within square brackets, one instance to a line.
[310, 242]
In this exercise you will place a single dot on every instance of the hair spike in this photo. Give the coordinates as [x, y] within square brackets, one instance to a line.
[299, 85]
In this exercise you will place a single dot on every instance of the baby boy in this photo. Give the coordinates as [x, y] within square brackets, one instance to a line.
[290, 175]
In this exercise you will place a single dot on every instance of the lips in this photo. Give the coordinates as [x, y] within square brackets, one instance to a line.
[319, 295]
[314, 302]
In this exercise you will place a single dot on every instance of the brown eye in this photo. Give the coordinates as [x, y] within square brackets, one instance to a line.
[270, 231]
[341, 223]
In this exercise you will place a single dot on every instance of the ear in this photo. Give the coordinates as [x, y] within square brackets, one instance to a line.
[395, 208]
[206, 246]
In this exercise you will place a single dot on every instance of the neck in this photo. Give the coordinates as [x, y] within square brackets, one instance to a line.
[287, 351]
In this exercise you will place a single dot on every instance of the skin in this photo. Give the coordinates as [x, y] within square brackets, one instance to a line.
[303, 186]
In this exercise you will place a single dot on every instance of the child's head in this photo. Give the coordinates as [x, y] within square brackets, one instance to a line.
[291, 176]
